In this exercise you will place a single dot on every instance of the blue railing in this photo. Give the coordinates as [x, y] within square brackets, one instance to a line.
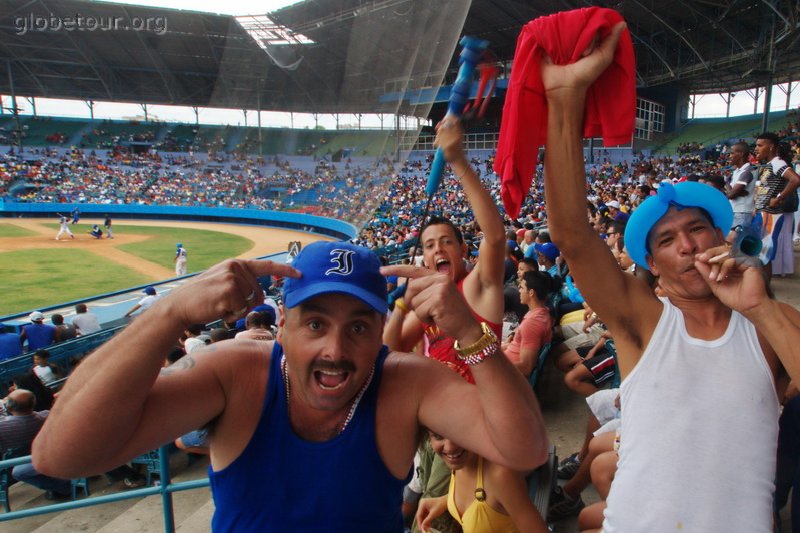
[165, 489]
[60, 353]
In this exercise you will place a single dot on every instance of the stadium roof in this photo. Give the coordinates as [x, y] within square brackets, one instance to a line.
[704, 45]
[344, 54]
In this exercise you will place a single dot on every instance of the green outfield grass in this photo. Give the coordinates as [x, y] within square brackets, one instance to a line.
[205, 248]
[9, 230]
[44, 277]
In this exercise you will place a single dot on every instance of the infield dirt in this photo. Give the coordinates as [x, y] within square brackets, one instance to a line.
[265, 240]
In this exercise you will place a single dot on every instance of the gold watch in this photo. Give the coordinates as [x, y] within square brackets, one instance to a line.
[487, 339]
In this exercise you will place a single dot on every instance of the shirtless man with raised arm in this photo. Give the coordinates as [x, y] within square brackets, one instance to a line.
[444, 250]
[318, 433]
[700, 365]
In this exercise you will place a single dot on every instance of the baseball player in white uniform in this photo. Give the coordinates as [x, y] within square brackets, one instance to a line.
[64, 228]
[180, 260]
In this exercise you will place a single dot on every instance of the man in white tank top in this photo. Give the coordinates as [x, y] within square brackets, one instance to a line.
[700, 364]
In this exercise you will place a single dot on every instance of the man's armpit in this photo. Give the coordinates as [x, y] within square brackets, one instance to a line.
[631, 334]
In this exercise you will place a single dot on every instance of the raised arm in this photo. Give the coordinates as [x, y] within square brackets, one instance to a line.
[486, 281]
[116, 406]
[590, 260]
[498, 417]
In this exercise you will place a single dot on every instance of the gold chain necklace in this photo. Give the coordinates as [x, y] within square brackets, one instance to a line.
[285, 375]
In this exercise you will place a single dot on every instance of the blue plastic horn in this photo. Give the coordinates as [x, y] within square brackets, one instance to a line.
[749, 248]
[471, 53]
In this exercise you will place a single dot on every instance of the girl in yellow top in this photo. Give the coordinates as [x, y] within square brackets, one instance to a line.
[483, 497]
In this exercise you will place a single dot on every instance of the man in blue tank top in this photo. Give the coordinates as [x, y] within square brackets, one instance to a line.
[316, 432]
[714, 336]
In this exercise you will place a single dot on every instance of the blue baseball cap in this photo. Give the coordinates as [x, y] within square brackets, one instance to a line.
[548, 249]
[150, 290]
[681, 195]
[336, 268]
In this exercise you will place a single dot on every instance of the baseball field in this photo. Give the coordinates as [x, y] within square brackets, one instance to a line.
[37, 271]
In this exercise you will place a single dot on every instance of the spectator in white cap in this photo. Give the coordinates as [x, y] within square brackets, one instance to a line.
[616, 212]
[37, 333]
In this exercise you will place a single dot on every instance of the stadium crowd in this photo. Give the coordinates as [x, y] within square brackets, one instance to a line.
[546, 314]
[122, 177]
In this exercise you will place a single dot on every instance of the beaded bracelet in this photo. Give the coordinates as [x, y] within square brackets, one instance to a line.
[488, 338]
[482, 355]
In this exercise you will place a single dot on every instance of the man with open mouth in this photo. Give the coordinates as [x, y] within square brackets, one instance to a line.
[712, 334]
[315, 432]
[444, 251]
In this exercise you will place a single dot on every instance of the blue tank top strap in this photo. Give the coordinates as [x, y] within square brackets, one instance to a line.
[281, 482]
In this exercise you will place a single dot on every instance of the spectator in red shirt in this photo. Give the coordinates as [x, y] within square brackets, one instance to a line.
[536, 328]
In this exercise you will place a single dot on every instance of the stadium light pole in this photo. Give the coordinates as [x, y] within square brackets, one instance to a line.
[755, 94]
[770, 71]
[258, 106]
[727, 99]
[787, 91]
[767, 103]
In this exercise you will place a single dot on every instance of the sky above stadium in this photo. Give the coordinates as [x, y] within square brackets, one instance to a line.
[228, 7]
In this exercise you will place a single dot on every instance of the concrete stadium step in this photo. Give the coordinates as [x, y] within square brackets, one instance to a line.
[126, 516]
[147, 514]
[199, 521]
[85, 519]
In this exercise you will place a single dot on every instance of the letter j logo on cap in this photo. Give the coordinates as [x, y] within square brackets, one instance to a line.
[343, 259]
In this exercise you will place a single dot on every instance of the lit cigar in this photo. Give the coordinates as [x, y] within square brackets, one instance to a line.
[719, 257]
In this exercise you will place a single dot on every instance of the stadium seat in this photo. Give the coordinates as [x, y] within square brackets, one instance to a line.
[5, 476]
[79, 483]
[61, 354]
[544, 351]
[151, 462]
[542, 481]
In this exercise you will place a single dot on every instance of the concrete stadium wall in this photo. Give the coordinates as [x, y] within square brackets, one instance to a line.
[276, 219]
